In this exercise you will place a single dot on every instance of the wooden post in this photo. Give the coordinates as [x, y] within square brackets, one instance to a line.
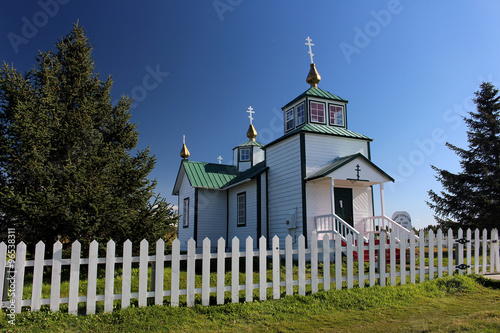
[382, 203]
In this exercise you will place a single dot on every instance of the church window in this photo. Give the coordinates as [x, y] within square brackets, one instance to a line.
[300, 114]
[242, 209]
[289, 119]
[336, 115]
[244, 154]
[317, 112]
[186, 213]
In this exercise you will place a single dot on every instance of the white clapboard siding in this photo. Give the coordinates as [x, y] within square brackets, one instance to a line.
[295, 257]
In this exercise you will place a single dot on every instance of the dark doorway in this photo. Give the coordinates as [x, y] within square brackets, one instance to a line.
[343, 204]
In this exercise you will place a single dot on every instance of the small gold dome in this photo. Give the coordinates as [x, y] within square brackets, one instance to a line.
[184, 151]
[313, 77]
[251, 133]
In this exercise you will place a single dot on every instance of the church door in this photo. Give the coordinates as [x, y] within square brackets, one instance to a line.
[343, 204]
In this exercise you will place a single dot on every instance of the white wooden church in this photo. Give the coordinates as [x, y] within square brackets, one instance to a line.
[318, 176]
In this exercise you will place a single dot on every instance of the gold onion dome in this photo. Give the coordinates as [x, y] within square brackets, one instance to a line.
[184, 151]
[313, 77]
[251, 133]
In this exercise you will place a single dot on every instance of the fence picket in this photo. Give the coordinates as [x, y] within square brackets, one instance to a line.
[302, 265]
[402, 258]
[174, 283]
[326, 262]
[421, 250]
[338, 261]
[143, 272]
[439, 237]
[235, 270]
[249, 269]
[3, 263]
[496, 250]
[460, 251]
[262, 268]
[221, 269]
[190, 272]
[392, 258]
[485, 250]
[371, 255]
[159, 271]
[349, 270]
[276, 268]
[382, 258]
[361, 260]
[288, 265]
[36, 289]
[92, 277]
[126, 273]
[205, 274]
[431, 255]
[109, 276]
[314, 262]
[412, 257]
[450, 252]
[74, 277]
[469, 251]
[476, 251]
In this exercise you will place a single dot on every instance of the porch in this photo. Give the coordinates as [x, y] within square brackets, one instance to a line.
[342, 200]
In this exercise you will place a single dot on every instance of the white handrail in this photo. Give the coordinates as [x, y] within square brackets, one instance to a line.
[378, 223]
[331, 223]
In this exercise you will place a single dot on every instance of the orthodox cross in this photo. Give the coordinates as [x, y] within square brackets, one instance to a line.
[220, 159]
[183, 139]
[358, 169]
[309, 40]
[250, 111]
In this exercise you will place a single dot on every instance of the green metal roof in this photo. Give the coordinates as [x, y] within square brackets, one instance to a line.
[251, 143]
[321, 129]
[209, 175]
[316, 92]
[215, 176]
[247, 174]
[340, 162]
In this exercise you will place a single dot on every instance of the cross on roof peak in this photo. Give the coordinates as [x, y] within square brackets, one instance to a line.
[309, 40]
[220, 159]
[250, 112]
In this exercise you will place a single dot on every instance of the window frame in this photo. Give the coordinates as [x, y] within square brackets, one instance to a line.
[185, 215]
[303, 113]
[342, 112]
[311, 112]
[244, 210]
[241, 150]
[289, 121]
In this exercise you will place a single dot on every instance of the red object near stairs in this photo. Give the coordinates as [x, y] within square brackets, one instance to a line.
[367, 254]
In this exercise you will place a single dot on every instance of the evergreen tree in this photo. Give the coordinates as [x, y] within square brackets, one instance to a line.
[66, 165]
[471, 198]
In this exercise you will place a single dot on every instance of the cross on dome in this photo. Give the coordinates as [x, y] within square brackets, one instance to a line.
[309, 40]
[251, 112]
[183, 139]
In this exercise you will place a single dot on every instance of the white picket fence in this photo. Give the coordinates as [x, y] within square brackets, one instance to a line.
[383, 268]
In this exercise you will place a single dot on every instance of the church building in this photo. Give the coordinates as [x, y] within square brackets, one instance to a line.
[318, 176]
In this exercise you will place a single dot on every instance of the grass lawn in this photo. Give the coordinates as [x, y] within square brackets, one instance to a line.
[449, 304]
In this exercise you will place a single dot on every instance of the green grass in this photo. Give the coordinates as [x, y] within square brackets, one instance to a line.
[449, 304]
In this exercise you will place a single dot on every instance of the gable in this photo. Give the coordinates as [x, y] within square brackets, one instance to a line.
[345, 168]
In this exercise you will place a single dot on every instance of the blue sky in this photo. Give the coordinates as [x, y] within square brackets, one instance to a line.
[408, 68]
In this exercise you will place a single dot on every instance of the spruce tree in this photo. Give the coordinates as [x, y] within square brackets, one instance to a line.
[471, 198]
[68, 165]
